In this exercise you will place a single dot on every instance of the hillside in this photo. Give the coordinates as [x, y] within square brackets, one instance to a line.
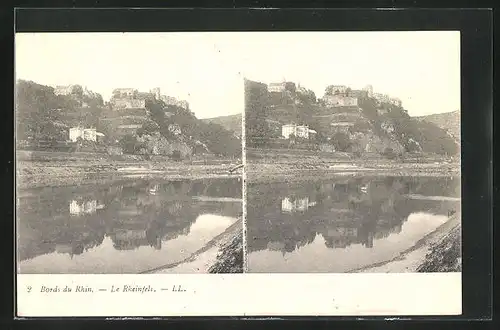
[42, 115]
[449, 121]
[231, 123]
[370, 126]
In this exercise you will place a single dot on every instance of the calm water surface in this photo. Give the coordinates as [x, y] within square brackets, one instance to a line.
[342, 225]
[127, 227]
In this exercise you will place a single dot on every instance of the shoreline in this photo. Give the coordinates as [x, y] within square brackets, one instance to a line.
[36, 175]
[292, 172]
[427, 254]
[220, 255]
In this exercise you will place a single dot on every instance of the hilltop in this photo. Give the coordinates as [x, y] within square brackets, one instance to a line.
[231, 123]
[449, 121]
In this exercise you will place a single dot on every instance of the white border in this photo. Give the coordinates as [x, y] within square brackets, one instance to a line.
[383, 294]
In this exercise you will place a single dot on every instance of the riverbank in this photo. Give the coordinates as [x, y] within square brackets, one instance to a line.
[40, 169]
[223, 254]
[230, 256]
[439, 251]
[298, 171]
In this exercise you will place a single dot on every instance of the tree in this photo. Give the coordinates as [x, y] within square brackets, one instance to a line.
[148, 128]
[129, 144]
[176, 155]
[37, 111]
[321, 138]
[329, 90]
[341, 141]
[389, 153]
[256, 108]
[77, 90]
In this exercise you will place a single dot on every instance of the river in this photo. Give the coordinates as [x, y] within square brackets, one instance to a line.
[343, 225]
[127, 227]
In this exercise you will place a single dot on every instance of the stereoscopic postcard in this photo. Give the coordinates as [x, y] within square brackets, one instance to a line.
[238, 174]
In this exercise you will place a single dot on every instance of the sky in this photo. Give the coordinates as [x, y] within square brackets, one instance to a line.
[207, 68]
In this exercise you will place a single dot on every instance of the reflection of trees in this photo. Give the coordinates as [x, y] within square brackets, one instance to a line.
[135, 214]
[356, 211]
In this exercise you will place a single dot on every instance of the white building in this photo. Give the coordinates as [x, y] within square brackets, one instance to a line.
[89, 134]
[340, 101]
[298, 130]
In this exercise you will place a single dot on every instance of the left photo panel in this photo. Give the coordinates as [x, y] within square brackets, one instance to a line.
[128, 154]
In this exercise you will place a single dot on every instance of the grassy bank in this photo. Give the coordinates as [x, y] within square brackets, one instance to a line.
[439, 251]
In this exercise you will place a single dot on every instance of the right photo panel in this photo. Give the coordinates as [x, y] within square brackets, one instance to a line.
[352, 144]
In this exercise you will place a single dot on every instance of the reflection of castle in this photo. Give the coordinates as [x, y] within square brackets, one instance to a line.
[294, 205]
[133, 215]
[354, 211]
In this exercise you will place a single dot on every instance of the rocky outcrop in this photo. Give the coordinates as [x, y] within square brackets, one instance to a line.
[372, 143]
[156, 144]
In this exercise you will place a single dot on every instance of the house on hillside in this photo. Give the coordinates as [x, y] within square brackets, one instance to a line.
[340, 101]
[302, 131]
[88, 134]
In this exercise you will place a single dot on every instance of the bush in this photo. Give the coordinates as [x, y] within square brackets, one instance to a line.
[389, 153]
[341, 141]
[176, 155]
[129, 144]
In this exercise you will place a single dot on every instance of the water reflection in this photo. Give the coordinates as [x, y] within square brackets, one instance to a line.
[335, 226]
[126, 227]
[290, 205]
